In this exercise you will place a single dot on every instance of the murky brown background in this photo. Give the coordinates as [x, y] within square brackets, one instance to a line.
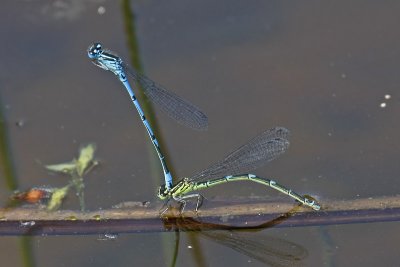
[321, 69]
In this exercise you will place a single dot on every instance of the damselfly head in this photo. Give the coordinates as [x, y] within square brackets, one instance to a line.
[95, 50]
[162, 192]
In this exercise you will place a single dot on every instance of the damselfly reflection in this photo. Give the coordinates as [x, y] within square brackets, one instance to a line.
[270, 250]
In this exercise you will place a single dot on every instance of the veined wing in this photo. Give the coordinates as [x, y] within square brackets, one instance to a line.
[263, 148]
[269, 250]
[173, 105]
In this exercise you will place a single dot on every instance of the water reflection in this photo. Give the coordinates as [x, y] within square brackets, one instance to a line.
[69, 10]
[270, 250]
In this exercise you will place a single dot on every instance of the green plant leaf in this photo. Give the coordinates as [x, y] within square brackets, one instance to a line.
[57, 198]
[85, 158]
[67, 167]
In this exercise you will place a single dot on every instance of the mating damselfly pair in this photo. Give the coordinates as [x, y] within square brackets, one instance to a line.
[235, 167]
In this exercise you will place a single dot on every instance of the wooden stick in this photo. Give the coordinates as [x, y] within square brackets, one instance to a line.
[134, 217]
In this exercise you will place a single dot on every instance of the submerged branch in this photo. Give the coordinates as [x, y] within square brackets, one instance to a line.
[138, 217]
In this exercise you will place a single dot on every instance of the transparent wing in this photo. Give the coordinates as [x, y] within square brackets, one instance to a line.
[173, 105]
[269, 250]
[263, 148]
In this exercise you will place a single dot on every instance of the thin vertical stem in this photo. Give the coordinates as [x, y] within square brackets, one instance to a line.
[132, 43]
[7, 166]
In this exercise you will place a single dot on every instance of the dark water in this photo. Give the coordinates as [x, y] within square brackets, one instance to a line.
[320, 69]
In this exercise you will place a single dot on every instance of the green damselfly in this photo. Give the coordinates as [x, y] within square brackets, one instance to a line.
[265, 147]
